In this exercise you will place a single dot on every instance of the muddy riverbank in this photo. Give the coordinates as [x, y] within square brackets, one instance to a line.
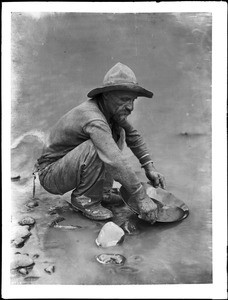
[57, 60]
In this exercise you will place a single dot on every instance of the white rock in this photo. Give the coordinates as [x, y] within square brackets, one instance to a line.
[18, 242]
[20, 232]
[115, 259]
[21, 261]
[110, 235]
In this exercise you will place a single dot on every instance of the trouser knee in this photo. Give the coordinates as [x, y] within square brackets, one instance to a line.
[79, 169]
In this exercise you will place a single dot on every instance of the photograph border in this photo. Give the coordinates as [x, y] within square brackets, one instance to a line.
[219, 155]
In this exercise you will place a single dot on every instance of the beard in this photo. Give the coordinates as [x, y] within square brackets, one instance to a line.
[121, 116]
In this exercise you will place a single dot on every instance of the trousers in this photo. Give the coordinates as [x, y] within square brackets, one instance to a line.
[78, 170]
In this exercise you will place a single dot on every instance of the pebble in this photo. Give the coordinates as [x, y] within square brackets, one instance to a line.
[32, 204]
[27, 221]
[57, 218]
[23, 271]
[110, 235]
[20, 232]
[52, 210]
[16, 178]
[19, 242]
[116, 259]
[21, 261]
[58, 208]
[19, 235]
[50, 269]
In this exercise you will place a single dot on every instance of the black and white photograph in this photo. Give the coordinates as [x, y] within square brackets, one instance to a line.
[109, 182]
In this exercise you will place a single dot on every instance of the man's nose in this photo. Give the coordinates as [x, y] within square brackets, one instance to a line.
[130, 106]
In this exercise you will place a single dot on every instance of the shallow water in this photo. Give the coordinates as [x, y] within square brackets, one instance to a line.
[59, 59]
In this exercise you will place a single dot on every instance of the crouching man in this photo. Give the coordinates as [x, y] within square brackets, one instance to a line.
[83, 153]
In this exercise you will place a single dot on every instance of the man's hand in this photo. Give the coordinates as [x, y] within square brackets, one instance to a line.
[143, 205]
[148, 210]
[156, 178]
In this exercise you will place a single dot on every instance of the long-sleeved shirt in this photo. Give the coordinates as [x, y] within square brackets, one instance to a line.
[89, 121]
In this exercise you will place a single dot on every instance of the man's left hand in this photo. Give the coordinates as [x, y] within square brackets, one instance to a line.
[156, 178]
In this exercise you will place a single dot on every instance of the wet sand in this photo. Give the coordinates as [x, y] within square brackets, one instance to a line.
[55, 58]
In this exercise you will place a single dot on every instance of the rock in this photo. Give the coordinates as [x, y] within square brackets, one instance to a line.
[19, 235]
[55, 220]
[116, 259]
[27, 221]
[20, 232]
[21, 261]
[110, 235]
[18, 242]
[58, 208]
[32, 204]
[52, 210]
[23, 271]
[50, 269]
[15, 177]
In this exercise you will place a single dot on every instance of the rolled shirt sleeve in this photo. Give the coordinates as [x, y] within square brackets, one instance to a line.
[136, 143]
[108, 151]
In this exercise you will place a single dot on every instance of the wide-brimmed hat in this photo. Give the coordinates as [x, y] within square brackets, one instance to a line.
[120, 78]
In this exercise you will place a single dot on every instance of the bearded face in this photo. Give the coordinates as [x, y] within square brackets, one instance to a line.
[120, 104]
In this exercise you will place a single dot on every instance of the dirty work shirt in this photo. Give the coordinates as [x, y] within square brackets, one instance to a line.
[88, 121]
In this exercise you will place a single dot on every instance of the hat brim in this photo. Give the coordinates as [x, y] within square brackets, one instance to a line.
[120, 87]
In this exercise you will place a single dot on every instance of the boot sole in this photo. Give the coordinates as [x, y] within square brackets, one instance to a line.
[76, 209]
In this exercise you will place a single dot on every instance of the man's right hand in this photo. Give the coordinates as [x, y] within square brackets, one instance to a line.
[145, 207]
[148, 210]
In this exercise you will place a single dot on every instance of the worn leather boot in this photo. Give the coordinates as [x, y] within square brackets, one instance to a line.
[90, 203]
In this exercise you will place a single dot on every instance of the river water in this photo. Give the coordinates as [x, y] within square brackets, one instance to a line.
[57, 60]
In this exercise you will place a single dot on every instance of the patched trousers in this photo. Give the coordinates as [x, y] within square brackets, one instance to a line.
[78, 170]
